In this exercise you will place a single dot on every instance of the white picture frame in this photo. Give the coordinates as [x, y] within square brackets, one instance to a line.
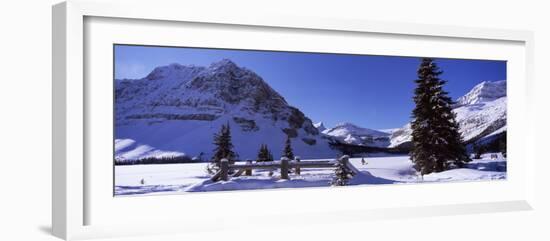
[73, 188]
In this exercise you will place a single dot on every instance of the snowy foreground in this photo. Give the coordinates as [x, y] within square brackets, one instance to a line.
[183, 178]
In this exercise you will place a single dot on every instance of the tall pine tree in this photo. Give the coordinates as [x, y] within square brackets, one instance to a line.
[437, 143]
[224, 148]
[287, 152]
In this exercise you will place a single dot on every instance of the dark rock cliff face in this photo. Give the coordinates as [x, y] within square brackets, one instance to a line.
[233, 85]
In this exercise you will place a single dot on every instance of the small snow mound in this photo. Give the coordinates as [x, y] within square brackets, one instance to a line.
[121, 144]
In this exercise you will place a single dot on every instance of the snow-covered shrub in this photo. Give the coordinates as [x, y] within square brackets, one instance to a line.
[342, 174]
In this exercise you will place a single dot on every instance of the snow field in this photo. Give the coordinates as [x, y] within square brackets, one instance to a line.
[185, 178]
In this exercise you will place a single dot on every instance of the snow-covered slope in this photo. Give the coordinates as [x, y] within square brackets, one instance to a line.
[353, 134]
[481, 119]
[390, 130]
[401, 136]
[177, 109]
[480, 113]
[128, 149]
[186, 178]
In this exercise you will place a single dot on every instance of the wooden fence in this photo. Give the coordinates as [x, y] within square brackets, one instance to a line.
[285, 165]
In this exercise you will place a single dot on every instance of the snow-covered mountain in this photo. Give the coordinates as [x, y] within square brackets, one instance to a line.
[176, 109]
[480, 113]
[320, 126]
[353, 134]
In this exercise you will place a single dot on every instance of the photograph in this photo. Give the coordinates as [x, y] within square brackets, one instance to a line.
[190, 119]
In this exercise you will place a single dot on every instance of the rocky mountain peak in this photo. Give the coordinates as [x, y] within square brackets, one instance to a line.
[320, 126]
[236, 85]
[223, 64]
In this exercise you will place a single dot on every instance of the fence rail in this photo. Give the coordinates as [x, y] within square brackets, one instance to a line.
[285, 165]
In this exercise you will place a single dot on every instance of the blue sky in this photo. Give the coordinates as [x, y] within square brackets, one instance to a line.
[370, 91]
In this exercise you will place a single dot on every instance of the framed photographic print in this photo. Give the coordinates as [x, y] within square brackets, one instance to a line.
[167, 120]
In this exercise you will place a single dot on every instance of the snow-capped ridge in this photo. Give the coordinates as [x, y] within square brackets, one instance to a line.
[349, 127]
[483, 92]
[173, 71]
[350, 133]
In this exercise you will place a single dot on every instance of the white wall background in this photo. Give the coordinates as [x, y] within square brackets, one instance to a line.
[25, 120]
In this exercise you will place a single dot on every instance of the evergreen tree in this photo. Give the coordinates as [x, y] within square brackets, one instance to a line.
[287, 152]
[264, 154]
[269, 155]
[437, 144]
[476, 150]
[502, 146]
[224, 148]
[479, 150]
[262, 157]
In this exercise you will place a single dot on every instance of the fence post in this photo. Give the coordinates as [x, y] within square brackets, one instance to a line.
[297, 168]
[284, 168]
[224, 169]
[248, 171]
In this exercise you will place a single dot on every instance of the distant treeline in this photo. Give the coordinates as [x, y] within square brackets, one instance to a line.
[157, 160]
[356, 150]
[496, 143]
